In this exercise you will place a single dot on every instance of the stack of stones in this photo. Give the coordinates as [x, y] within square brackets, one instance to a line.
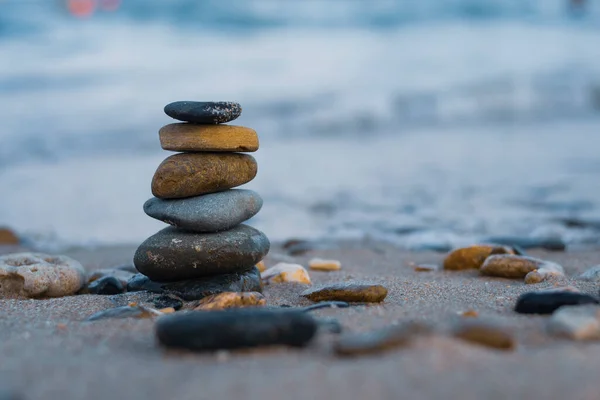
[207, 249]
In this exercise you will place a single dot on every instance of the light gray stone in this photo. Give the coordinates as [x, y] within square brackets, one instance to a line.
[576, 322]
[592, 274]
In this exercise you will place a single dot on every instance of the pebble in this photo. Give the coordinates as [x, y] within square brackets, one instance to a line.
[173, 254]
[284, 272]
[547, 272]
[425, 267]
[472, 257]
[123, 274]
[231, 300]
[485, 333]
[592, 274]
[235, 329]
[200, 138]
[193, 174]
[212, 212]
[380, 340]
[8, 237]
[546, 302]
[513, 266]
[469, 314]
[349, 292]
[129, 311]
[576, 322]
[167, 301]
[318, 264]
[204, 112]
[196, 289]
[106, 285]
[552, 244]
[34, 275]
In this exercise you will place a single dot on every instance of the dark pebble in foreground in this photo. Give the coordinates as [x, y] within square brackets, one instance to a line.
[235, 329]
[172, 254]
[167, 301]
[106, 285]
[204, 112]
[196, 289]
[548, 302]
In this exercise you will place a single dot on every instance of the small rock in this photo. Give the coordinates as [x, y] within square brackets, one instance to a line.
[8, 237]
[576, 322]
[123, 274]
[470, 314]
[196, 289]
[546, 272]
[194, 174]
[36, 275]
[380, 340]
[231, 300]
[513, 266]
[546, 302]
[284, 272]
[318, 264]
[130, 311]
[200, 138]
[106, 285]
[173, 254]
[592, 274]
[167, 301]
[204, 112]
[472, 257]
[235, 328]
[261, 266]
[485, 334]
[214, 212]
[350, 292]
[425, 267]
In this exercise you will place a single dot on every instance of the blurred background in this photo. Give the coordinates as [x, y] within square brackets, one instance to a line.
[419, 122]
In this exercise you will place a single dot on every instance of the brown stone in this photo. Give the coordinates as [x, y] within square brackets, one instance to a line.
[350, 292]
[485, 334]
[193, 137]
[472, 257]
[231, 300]
[512, 266]
[193, 174]
[7, 236]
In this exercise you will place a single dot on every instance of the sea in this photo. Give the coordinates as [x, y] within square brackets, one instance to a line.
[417, 122]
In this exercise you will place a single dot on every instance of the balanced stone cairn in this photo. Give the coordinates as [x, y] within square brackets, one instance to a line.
[207, 249]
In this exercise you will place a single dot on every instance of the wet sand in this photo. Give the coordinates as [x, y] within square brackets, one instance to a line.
[47, 351]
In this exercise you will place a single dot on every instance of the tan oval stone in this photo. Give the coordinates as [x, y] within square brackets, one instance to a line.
[7, 236]
[510, 266]
[285, 272]
[318, 264]
[485, 334]
[193, 174]
[193, 137]
[231, 300]
[472, 257]
[548, 271]
[350, 292]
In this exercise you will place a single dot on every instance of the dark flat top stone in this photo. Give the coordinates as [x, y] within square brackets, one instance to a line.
[548, 302]
[204, 112]
[235, 328]
[196, 289]
[212, 212]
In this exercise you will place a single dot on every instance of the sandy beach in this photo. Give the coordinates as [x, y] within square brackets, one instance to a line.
[49, 352]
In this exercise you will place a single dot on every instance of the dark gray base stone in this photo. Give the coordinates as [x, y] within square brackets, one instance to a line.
[196, 289]
[235, 329]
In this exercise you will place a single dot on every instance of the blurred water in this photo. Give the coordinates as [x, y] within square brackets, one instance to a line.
[420, 122]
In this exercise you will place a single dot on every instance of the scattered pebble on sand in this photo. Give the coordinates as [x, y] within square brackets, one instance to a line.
[576, 322]
[284, 272]
[547, 272]
[231, 300]
[355, 292]
[513, 266]
[235, 328]
[546, 302]
[485, 333]
[472, 257]
[8, 237]
[129, 311]
[167, 300]
[319, 264]
[469, 314]
[37, 275]
[425, 267]
[106, 285]
[388, 338]
[592, 274]
[123, 274]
